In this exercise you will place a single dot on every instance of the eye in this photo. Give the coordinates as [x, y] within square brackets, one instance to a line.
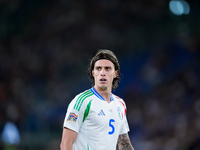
[108, 68]
[98, 68]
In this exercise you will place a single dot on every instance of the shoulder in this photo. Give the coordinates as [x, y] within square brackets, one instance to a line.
[120, 101]
[116, 97]
[84, 93]
[81, 98]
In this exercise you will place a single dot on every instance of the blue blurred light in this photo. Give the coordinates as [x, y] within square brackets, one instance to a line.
[10, 134]
[179, 7]
[186, 7]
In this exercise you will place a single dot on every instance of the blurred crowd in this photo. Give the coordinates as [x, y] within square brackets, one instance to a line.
[168, 117]
[45, 48]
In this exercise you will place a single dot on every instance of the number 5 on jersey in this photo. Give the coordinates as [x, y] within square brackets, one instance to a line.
[112, 126]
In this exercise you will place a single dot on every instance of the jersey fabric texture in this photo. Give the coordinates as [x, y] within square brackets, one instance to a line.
[97, 122]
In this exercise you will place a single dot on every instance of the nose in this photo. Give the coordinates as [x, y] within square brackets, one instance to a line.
[102, 72]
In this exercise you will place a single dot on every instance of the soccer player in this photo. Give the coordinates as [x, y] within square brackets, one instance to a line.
[96, 118]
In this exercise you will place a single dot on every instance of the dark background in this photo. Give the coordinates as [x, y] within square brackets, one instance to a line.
[45, 48]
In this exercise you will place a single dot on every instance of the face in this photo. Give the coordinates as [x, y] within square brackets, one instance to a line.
[104, 73]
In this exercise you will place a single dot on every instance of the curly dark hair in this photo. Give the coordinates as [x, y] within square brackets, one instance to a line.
[109, 55]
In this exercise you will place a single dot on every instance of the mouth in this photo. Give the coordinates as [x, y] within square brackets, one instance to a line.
[103, 80]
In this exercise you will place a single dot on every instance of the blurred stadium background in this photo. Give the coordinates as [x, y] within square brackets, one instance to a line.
[45, 48]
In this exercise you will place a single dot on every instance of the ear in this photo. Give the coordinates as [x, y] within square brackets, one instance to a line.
[93, 73]
[116, 73]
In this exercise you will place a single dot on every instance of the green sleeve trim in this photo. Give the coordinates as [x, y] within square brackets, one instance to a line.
[88, 147]
[81, 99]
[87, 110]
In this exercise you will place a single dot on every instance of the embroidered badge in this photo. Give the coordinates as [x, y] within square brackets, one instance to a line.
[72, 117]
[120, 113]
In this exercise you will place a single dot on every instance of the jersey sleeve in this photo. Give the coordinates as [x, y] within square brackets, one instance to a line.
[74, 116]
[125, 126]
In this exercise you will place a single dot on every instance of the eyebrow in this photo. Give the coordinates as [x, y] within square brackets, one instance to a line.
[104, 66]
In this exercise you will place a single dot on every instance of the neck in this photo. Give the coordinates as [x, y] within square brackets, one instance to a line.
[105, 93]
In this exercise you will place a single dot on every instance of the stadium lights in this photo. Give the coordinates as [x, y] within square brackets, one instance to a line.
[179, 7]
[10, 134]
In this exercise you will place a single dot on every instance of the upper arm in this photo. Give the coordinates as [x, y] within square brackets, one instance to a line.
[68, 138]
[124, 143]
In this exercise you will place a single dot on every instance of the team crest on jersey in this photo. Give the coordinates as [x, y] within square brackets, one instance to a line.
[72, 117]
[120, 113]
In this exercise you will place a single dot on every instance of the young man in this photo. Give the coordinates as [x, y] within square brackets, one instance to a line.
[96, 118]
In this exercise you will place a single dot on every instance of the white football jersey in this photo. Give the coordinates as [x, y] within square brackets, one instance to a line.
[97, 122]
